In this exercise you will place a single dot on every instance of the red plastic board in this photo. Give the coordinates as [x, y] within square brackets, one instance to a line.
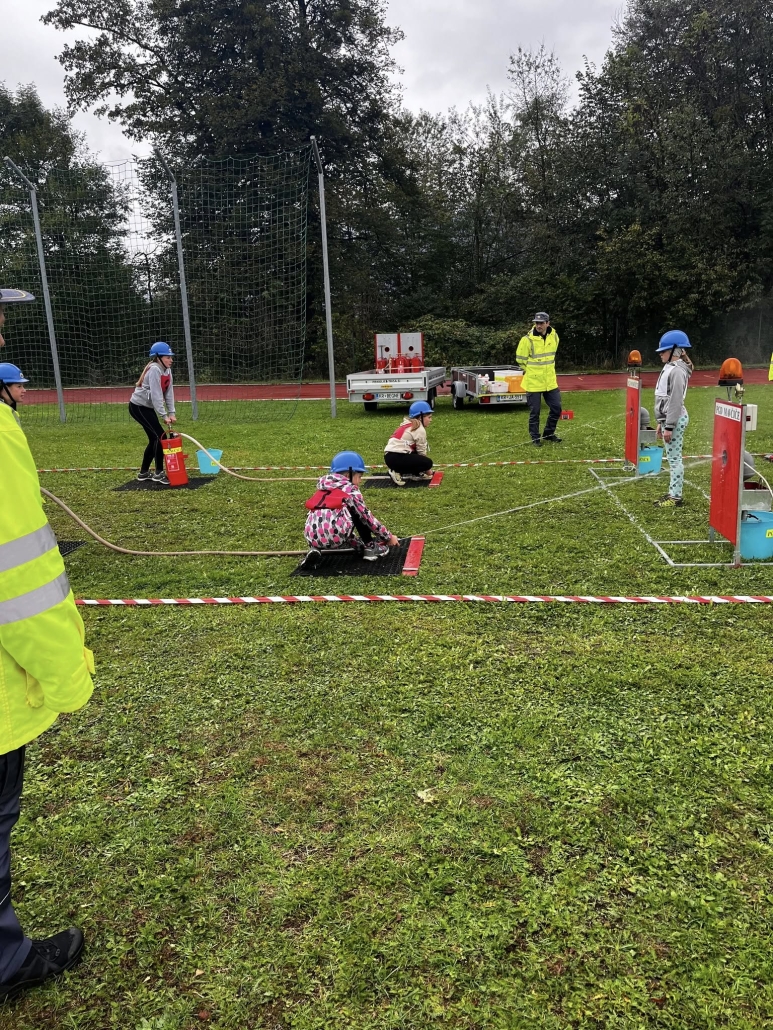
[436, 480]
[632, 402]
[726, 469]
[413, 558]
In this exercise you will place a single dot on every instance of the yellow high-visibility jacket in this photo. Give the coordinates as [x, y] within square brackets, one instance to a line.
[770, 370]
[536, 355]
[45, 667]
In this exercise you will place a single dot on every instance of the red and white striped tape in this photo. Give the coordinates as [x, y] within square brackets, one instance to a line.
[435, 598]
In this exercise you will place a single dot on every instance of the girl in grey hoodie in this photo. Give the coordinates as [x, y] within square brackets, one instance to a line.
[153, 398]
[670, 412]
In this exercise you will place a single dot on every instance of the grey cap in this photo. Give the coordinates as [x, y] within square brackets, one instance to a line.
[542, 316]
[15, 297]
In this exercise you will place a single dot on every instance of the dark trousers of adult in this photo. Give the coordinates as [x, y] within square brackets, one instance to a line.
[411, 464]
[14, 946]
[553, 401]
[148, 419]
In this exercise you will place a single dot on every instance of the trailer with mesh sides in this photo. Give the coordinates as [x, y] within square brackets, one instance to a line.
[487, 385]
[400, 375]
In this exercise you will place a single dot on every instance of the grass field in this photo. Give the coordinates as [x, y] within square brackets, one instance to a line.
[407, 816]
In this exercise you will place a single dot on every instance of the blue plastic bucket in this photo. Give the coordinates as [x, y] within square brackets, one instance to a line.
[650, 460]
[757, 535]
[206, 466]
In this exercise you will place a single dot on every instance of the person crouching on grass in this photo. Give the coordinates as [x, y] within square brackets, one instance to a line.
[338, 517]
[407, 450]
[670, 412]
[154, 397]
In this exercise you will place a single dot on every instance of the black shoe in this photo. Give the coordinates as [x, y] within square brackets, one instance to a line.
[536, 441]
[47, 958]
[144, 476]
[553, 438]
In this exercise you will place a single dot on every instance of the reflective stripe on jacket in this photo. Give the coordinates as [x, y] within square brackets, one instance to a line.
[44, 666]
[536, 355]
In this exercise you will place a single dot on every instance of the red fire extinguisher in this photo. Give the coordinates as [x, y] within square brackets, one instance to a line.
[174, 459]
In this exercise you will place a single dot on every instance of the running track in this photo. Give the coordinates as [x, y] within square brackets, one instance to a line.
[321, 391]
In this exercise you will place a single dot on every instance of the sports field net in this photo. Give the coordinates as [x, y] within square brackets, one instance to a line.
[111, 260]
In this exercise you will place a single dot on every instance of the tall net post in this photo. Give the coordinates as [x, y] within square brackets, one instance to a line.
[44, 283]
[326, 272]
[183, 285]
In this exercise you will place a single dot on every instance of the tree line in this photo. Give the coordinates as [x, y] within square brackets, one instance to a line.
[640, 202]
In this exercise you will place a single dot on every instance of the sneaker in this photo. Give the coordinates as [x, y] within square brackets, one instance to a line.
[425, 475]
[669, 502]
[373, 551]
[47, 958]
[144, 477]
[536, 441]
[160, 477]
[553, 438]
[396, 478]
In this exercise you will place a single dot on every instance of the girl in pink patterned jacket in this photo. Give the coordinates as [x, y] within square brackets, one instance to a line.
[338, 516]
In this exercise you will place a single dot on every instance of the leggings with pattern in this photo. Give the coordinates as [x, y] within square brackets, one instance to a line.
[674, 455]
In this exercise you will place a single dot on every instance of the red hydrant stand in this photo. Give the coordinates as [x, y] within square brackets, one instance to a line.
[174, 459]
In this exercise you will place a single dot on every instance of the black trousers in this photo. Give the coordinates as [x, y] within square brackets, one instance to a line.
[412, 464]
[534, 400]
[365, 532]
[14, 946]
[148, 419]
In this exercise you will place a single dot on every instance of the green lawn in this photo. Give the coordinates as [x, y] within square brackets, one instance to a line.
[389, 816]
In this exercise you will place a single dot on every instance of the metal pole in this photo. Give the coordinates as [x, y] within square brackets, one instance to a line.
[183, 286]
[44, 283]
[326, 271]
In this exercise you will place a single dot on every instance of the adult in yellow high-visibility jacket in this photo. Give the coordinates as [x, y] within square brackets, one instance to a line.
[770, 370]
[536, 355]
[45, 669]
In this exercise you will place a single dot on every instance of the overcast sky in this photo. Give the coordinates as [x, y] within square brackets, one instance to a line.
[453, 50]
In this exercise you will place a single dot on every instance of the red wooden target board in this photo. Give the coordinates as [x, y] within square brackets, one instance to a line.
[726, 464]
[632, 403]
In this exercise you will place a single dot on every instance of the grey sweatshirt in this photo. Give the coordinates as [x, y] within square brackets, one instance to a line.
[670, 392]
[150, 394]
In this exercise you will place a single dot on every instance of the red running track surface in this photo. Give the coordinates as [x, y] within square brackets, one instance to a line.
[321, 391]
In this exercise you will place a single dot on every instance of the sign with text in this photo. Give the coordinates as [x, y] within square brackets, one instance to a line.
[726, 469]
[632, 405]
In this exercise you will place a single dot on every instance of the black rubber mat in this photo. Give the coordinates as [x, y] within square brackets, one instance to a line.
[148, 484]
[68, 546]
[385, 483]
[330, 563]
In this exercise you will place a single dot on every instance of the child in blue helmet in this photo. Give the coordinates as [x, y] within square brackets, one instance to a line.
[670, 412]
[153, 398]
[407, 449]
[338, 516]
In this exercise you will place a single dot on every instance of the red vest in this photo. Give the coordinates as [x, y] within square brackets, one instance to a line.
[399, 433]
[332, 499]
[166, 379]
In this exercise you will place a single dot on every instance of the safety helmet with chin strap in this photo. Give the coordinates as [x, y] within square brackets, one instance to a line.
[15, 297]
[418, 409]
[347, 463]
[672, 339]
[9, 375]
[161, 350]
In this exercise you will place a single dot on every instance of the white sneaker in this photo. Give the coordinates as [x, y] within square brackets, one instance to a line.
[374, 550]
[161, 477]
[396, 478]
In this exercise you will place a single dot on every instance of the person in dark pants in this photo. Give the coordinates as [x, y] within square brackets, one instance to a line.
[153, 397]
[536, 355]
[407, 450]
[45, 669]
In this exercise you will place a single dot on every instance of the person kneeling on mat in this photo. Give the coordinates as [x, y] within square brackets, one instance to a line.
[407, 450]
[154, 397]
[339, 519]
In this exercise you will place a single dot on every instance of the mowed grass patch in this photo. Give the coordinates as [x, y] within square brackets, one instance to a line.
[356, 817]
[406, 816]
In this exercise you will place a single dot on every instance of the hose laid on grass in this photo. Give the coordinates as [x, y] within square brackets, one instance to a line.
[236, 475]
[163, 554]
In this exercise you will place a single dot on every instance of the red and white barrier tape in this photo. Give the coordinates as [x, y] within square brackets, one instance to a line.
[435, 598]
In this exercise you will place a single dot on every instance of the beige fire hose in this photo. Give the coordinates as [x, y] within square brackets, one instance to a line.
[165, 554]
[236, 475]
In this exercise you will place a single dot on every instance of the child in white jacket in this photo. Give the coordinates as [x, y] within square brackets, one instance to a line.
[407, 449]
[153, 398]
[670, 412]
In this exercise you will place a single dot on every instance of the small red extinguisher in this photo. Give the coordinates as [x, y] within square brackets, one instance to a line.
[174, 459]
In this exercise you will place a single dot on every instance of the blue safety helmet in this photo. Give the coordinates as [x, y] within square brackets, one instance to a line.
[673, 338]
[11, 374]
[347, 461]
[419, 408]
[15, 297]
[161, 350]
